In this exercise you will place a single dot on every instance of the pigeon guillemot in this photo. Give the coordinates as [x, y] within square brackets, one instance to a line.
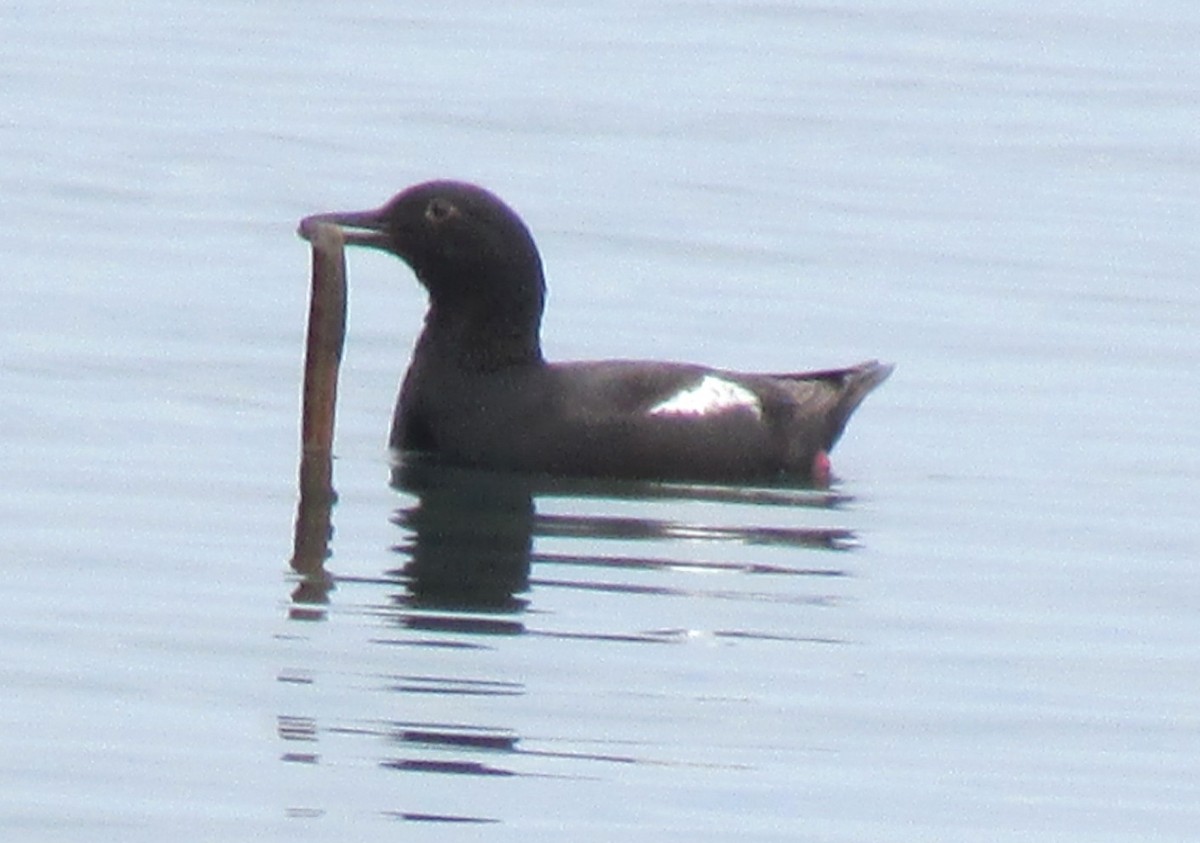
[479, 392]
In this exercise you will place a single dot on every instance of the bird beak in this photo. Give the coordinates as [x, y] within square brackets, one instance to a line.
[359, 228]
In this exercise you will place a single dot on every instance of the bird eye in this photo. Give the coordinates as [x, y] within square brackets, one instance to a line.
[439, 210]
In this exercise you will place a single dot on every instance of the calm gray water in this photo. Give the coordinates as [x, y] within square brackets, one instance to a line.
[989, 631]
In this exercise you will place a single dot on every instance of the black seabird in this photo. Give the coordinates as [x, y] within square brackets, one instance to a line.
[479, 392]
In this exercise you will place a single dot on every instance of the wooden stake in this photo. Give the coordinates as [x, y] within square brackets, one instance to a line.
[326, 336]
[322, 359]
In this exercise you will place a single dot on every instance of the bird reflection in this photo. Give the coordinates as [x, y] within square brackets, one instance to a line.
[471, 537]
[464, 579]
[471, 532]
[469, 543]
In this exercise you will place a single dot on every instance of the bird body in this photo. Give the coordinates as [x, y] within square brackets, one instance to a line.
[479, 392]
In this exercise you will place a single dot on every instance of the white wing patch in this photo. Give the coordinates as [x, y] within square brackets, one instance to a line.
[710, 395]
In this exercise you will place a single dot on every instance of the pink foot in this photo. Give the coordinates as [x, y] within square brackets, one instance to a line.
[822, 469]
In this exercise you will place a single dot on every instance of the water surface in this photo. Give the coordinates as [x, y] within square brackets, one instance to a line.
[988, 629]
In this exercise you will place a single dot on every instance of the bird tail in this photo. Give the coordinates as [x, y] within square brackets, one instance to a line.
[841, 391]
